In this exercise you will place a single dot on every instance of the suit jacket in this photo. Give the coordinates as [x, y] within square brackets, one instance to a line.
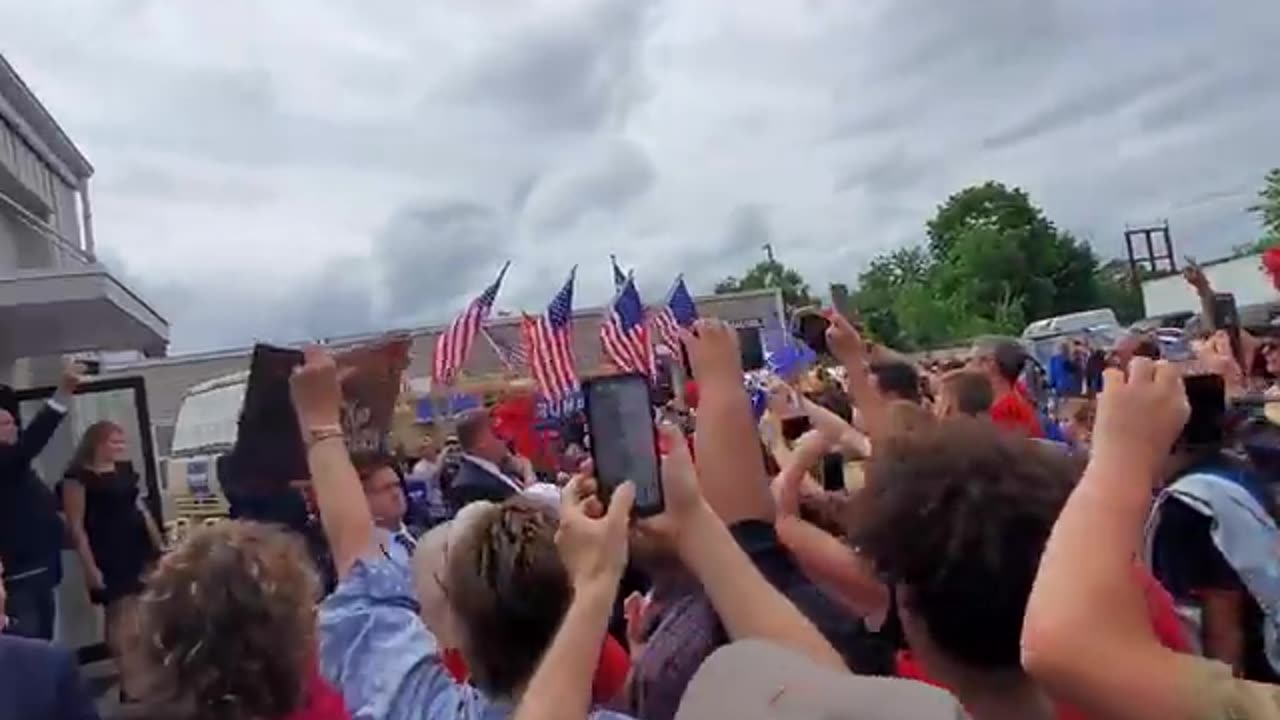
[40, 681]
[473, 483]
[30, 529]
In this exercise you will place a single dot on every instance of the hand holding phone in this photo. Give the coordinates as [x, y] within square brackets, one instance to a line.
[624, 441]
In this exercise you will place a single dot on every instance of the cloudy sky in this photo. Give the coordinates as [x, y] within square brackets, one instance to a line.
[294, 168]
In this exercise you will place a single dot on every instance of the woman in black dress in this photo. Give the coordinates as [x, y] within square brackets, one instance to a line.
[115, 537]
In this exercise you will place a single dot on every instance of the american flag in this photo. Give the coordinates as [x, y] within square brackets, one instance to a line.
[548, 341]
[624, 335]
[512, 356]
[678, 312]
[454, 344]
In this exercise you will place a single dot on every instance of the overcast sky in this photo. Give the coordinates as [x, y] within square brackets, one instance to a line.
[294, 168]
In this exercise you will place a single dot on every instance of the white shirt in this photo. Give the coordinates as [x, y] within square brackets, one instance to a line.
[396, 548]
[494, 470]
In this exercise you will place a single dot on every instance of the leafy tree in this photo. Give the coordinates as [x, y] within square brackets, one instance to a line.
[771, 274]
[1268, 209]
[991, 263]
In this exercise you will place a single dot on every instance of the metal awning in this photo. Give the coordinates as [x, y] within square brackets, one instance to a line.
[55, 312]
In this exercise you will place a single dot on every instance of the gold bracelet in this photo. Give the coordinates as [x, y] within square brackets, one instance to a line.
[321, 433]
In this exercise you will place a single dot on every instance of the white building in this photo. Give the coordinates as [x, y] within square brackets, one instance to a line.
[54, 298]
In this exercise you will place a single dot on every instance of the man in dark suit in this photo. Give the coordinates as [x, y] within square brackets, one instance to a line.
[38, 680]
[480, 474]
[31, 531]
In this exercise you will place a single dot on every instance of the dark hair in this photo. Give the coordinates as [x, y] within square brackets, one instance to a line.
[470, 427]
[510, 591]
[957, 514]
[93, 438]
[227, 624]
[970, 390]
[1010, 358]
[368, 464]
[897, 379]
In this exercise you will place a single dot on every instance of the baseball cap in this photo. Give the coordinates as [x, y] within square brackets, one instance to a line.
[757, 680]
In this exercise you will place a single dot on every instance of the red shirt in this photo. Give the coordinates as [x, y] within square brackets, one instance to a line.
[611, 672]
[1012, 411]
[322, 701]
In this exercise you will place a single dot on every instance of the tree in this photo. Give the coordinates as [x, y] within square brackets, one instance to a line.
[991, 263]
[1268, 210]
[768, 274]
[1002, 246]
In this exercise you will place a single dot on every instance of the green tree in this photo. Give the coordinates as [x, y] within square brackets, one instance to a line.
[998, 246]
[1268, 209]
[771, 274]
[991, 263]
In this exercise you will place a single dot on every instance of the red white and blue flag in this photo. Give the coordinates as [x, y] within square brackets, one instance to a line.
[454, 344]
[512, 356]
[548, 342]
[678, 312]
[624, 334]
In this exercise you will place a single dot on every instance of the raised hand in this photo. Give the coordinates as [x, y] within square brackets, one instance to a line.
[592, 540]
[844, 340]
[680, 492]
[72, 376]
[316, 388]
[1195, 277]
[1140, 417]
[714, 353]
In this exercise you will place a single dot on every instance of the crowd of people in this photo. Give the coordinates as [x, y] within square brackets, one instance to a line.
[882, 539]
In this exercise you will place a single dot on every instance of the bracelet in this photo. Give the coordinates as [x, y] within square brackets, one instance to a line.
[321, 433]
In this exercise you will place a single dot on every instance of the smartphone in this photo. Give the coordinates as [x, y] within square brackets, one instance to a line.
[1207, 396]
[793, 428]
[809, 326]
[623, 439]
[1227, 317]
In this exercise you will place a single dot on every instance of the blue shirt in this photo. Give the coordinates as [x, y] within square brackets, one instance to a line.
[1065, 376]
[376, 651]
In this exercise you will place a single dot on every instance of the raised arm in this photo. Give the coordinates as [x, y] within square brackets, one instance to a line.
[593, 545]
[344, 511]
[34, 438]
[849, 349]
[1087, 637]
[747, 604]
[730, 470]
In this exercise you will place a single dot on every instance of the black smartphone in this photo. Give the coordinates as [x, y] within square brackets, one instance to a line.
[809, 326]
[1206, 426]
[795, 427]
[623, 439]
[1227, 317]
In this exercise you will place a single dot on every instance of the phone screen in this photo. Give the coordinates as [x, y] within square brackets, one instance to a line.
[1227, 317]
[624, 442]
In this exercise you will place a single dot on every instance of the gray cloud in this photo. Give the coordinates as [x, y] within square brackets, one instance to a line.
[605, 179]
[432, 257]
[317, 168]
[565, 74]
